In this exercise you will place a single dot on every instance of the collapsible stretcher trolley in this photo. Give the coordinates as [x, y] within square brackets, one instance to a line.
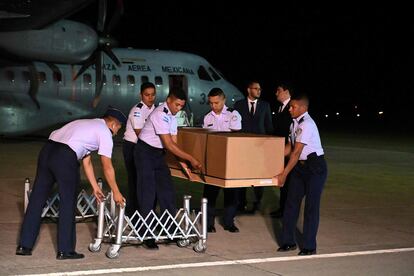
[184, 227]
[85, 203]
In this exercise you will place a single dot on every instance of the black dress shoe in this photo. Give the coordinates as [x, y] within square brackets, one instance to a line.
[276, 214]
[211, 229]
[305, 252]
[232, 228]
[23, 251]
[69, 255]
[150, 244]
[286, 247]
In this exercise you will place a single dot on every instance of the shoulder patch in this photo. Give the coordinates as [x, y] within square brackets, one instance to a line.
[165, 110]
[165, 119]
[139, 105]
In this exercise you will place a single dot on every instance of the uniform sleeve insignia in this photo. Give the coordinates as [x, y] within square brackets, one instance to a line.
[234, 118]
[165, 110]
[137, 114]
[298, 131]
[165, 119]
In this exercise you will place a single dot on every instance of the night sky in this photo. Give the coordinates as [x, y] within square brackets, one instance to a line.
[341, 56]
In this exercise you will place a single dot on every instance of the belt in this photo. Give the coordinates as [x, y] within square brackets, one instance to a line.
[310, 156]
[150, 147]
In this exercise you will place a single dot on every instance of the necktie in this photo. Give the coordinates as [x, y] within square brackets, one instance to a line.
[252, 109]
[280, 108]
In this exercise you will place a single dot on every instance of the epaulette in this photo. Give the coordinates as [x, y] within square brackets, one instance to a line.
[301, 120]
[230, 109]
[140, 105]
[165, 110]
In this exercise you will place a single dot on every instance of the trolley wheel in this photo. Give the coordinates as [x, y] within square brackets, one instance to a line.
[193, 239]
[183, 243]
[111, 253]
[94, 248]
[199, 247]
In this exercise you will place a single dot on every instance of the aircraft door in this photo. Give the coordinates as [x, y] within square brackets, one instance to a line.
[184, 117]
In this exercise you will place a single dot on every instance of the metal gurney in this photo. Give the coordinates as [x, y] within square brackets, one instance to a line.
[184, 227]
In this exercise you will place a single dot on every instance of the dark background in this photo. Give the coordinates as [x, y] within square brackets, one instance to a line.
[348, 58]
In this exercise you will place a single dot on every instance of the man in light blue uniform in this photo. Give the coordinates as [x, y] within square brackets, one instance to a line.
[308, 172]
[136, 120]
[59, 162]
[153, 175]
[221, 118]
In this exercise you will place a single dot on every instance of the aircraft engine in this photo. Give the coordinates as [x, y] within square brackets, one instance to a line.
[64, 41]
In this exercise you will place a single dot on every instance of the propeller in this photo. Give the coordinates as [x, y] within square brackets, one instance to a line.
[105, 45]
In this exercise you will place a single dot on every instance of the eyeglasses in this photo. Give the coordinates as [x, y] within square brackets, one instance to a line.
[255, 88]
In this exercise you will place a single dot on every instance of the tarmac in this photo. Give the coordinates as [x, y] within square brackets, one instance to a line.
[361, 238]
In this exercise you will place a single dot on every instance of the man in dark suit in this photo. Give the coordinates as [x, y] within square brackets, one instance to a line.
[256, 118]
[281, 124]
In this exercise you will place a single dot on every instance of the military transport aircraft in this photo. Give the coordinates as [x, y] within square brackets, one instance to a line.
[65, 71]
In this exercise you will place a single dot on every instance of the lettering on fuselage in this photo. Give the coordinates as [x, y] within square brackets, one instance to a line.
[139, 67]
[177, 69]
[106, 66]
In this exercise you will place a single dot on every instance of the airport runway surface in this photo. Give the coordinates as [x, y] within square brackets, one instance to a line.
[360, 236]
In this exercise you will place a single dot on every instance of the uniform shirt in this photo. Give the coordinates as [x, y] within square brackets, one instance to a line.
[85, 136]
[304, 130]
[136, 120]
[160, 121]
[228, 120]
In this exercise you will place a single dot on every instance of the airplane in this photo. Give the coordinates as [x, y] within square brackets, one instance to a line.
[64, 71]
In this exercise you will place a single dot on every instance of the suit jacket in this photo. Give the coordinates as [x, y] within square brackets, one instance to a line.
[282, 123]
[260, 122]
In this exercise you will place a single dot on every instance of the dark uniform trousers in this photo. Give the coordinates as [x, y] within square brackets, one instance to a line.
[231, 202]
[128, 152]
[153, 179]
[57, 163]
[284, 191]
[306, 179]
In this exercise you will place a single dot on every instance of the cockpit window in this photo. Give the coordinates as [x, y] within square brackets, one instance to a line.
[214, 74]
[202, 74]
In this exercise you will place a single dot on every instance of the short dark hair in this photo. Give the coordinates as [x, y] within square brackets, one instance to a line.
[146, 85]
[216, 92]
[301, 97]
[286, 86]
[251, 82]
[178, 93]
